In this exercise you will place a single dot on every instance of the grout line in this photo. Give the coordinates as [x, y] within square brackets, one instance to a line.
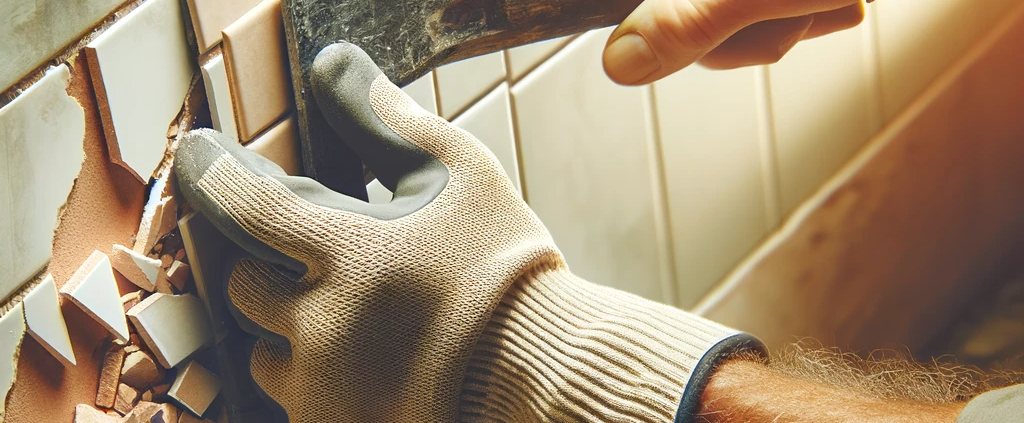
[767, 143]
[662, 215]
[873, 64]
[516, 141]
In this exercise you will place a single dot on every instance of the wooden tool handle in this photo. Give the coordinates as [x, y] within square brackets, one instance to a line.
[475, 27]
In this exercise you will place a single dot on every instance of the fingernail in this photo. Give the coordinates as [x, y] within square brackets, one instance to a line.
[630, 59]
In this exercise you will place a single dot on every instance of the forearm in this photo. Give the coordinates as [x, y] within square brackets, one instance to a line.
[743, 391]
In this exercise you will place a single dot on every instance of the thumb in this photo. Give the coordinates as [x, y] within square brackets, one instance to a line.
[663, 36]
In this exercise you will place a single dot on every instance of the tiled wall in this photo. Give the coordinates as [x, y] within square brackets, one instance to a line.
[661, 190]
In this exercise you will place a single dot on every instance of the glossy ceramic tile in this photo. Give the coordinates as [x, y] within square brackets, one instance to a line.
[195, 388]
[34, 31]
[422, 92]
[490, 121]
[210, 17]
[587, 168]
[461, 83]
[94, 289]
[171, 343]
[41, 135]
[257, 66]
[521, 60]
[141, 70]
[918, 39]
[714, 179]
[138, 268]
[12, 331]
[222, 111]
[280, 144]
[825, 107]
[45, 321]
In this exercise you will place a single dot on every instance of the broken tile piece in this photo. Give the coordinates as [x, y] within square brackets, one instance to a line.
[210, 17]
[85, 413]
[149, 412]
[256, 61]
[110, 373]
[177, 275]
[12, 330]
[140, 371]
[130, 299]
[280, 144]
[139, 269]
[126, 399]
[41, 153]
[195, 388]
[94, 289]
[222, 110]
[154, 223]
[45, 321]
[141, 71]
[173, 326]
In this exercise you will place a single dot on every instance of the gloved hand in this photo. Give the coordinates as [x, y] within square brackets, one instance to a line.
[450, 302]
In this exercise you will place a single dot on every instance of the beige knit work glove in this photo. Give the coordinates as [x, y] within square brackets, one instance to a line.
[449, 303]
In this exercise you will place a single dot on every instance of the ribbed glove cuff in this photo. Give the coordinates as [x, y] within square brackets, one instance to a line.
[561, 349]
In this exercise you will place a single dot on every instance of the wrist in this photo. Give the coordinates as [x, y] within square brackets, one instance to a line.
[748, 391]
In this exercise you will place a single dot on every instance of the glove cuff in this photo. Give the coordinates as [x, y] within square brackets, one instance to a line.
[559, 348]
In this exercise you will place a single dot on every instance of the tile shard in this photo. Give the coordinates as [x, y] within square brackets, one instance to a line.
[110, 373]
[141, 71]
[94, 289]
[140, 371]
[12, 331]
[126, 399]
[41, 153]
[150, 412]
[177, 275]
[137, 268]
[172, 326]
[85, 413]
[195, 388]
[45, 321]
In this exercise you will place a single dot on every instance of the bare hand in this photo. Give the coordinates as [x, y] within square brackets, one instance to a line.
[661, 37]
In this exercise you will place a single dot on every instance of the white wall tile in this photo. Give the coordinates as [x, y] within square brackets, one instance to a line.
[422, 92]
[490, 121]
[44, 320]
[825, 107]
[12, 331]
[709, 127]
[918, 39]
[461, 83]
[587, 170]
[33, 31]
[142, 67]
[522, 60]
[222, 111]
[41, 135]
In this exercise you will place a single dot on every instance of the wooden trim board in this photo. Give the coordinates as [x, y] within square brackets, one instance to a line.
[890, 248]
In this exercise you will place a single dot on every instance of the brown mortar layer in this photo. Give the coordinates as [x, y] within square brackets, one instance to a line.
[106, 203]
